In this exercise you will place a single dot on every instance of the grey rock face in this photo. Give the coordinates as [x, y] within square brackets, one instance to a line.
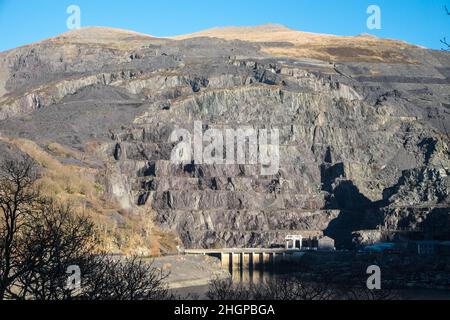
[422, 186]
[349, 132]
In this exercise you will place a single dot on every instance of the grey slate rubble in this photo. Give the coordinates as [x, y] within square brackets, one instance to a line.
[363, 145]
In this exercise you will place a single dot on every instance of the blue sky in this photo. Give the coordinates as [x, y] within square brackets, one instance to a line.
[422, 22]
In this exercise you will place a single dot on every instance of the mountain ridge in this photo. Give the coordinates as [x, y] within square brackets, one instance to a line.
[361, 120]
[91, 34]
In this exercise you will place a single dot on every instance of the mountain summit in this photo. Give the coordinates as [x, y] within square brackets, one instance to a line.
[362, 124]
[274, 39]
[281, 41]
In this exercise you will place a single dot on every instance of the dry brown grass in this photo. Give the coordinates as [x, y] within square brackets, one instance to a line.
[111, 38]
[62, 151]
[64, 182]
[312, 45]
[121, 231]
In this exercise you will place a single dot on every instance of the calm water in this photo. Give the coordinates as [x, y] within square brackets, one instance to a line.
[258, 276]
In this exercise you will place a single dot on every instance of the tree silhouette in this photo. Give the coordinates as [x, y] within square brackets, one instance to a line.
[40, 239]
[17, 199]
[291, 288]
[444, 41]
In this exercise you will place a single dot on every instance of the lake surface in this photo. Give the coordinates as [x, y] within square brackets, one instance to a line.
[259, 276]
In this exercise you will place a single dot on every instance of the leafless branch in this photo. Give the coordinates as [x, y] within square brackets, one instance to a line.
[40, 239]
[293, 289]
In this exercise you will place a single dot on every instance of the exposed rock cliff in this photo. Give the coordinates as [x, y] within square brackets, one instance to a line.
[362, 125]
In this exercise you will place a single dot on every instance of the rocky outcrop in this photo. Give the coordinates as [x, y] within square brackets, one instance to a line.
[362, 142]
[421, 187]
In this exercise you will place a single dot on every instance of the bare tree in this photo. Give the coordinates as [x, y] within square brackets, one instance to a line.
[444, 40]
[40, 239]
[284, 288]
[56, 240]
[225, 289]
[124, 279]
[292, 288]
[17, 197]
[360, 293]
